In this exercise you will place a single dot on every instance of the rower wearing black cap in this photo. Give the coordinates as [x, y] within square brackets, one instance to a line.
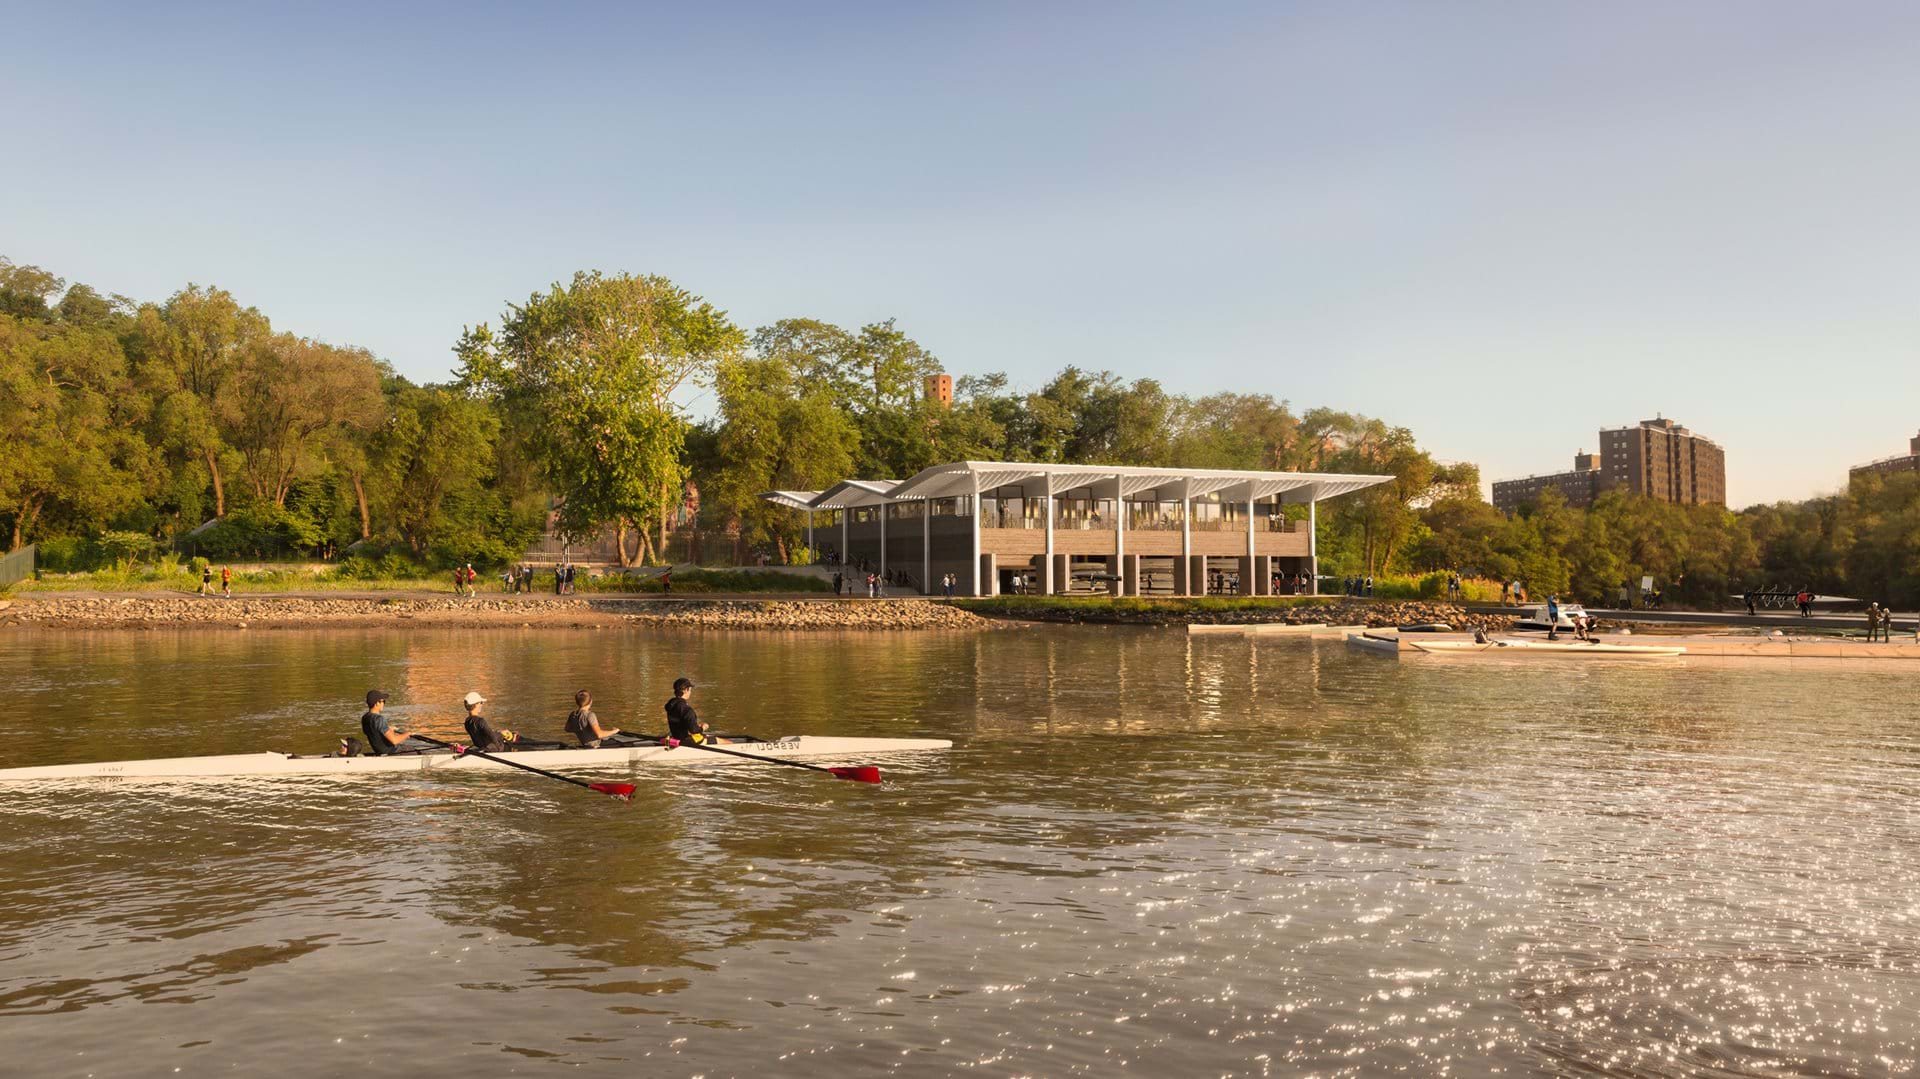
[683, 723]
[382, 739]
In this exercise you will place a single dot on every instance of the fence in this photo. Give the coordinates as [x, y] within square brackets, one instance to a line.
[17, 566]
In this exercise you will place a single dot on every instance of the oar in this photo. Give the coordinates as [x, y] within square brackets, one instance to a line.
[865, 773]
[622, 791]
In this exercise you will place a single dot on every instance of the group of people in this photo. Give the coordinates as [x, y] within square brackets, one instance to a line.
[226, 580]
[875, 583]
[519, 578]
[1512, 592]
[1582, 623]
[1880, 623]
[383, 739]
[1358, 586]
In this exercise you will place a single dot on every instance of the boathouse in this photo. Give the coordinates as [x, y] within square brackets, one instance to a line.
[1055, 529]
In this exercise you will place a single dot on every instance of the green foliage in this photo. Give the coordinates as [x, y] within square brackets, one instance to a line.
[259, 530]
[705, 581]
[587, 372]
[125, 548]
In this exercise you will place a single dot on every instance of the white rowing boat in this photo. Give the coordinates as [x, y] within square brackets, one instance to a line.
[796, 747]
[1548, 649]
[1374, 643]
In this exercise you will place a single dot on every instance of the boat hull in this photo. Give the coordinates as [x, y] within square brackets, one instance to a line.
[282, 764]
[1547, 649]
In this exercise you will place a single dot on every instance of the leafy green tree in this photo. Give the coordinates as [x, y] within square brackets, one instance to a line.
[588, 371]
[186, 354]
[287, 396]
[776, 431]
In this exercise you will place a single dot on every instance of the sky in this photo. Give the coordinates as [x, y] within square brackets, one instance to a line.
[1502, 225]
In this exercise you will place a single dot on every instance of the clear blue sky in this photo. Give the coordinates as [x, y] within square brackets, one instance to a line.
[1503, 225]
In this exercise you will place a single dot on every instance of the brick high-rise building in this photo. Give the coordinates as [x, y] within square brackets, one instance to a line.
[1655, 458]
[940, 389]
[1906, 462]
[1661, 460]
[1578, 487]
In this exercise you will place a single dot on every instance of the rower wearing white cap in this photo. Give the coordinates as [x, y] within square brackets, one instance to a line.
[480, 730]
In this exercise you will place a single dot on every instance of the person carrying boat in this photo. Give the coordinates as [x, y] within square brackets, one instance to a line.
[683, 723]
[481, 732]
[382, 739]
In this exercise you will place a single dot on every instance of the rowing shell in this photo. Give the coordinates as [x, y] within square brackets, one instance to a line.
[284, 764]
[1547, 648]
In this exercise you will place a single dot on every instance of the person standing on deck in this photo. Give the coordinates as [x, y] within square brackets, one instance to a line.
[683, 723]
[382, 739]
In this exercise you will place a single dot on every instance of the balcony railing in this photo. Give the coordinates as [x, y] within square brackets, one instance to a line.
[1145, 524]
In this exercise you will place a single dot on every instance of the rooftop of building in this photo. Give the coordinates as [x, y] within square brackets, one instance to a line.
[965, 478]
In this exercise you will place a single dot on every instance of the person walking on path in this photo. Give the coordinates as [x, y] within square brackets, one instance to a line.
[836, 583]
[666, 582]
[206, 580]
[226, 581]
[1805, 599]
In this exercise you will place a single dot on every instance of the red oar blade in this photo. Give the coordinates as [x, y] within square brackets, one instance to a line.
[866, 773]
[622, 791]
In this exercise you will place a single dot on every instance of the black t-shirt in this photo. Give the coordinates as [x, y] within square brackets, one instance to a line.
[580, 723]
[683, 722]
[375, 727]
[484, 735]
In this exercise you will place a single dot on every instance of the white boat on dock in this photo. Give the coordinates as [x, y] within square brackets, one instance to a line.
[1547, 649]
[796, 747]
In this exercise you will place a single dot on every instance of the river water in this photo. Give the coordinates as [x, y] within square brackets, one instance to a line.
[1147, 854]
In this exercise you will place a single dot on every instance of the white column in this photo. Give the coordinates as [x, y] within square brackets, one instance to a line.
[974, 531]
[812, 555]
[843, 535]
[1313, 545]
[1046, 564]
[926, 546]
[881, 509]
[1186, 540]
[1119, 519]
[1248, 586]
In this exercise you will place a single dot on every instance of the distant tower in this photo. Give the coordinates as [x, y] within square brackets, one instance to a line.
[940, 388]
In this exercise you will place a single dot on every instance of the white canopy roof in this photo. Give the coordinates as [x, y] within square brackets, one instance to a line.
[849, 493]
[793, 500]
[1103, 481]
[1165, 484]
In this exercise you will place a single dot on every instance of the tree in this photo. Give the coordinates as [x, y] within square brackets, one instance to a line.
[588, 371]
[287, 395]
[776, 431]
[74, 453]
[186, 353]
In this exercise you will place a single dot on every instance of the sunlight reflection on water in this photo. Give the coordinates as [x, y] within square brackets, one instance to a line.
[1181, 856]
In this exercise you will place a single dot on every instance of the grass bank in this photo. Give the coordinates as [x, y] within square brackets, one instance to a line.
[323, 577]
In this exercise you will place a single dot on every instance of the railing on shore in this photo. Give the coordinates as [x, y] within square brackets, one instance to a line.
[17, 565]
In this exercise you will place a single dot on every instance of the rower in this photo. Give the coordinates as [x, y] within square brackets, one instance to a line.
[382, 739]
[481, 732]
[683, 723]
[584, 725]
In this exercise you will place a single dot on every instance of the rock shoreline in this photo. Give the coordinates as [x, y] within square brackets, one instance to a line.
[287, 612]
[295, 612]
[1339, 611]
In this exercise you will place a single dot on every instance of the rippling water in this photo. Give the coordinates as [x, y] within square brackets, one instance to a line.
[1147, 854]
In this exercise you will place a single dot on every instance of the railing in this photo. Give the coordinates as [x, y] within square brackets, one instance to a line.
[1882, 462]
[17, 565]
[1147, 524]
